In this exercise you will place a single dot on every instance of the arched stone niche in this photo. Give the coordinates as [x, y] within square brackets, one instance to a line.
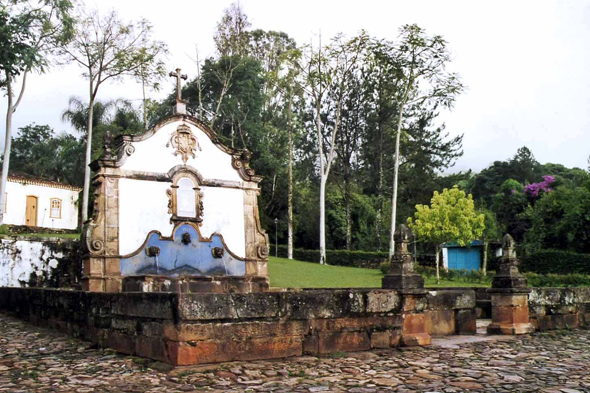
[185, 197]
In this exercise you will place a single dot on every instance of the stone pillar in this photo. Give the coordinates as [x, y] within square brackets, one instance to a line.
[256, 240]
[410, 286]
[102, 272]
[510, 295]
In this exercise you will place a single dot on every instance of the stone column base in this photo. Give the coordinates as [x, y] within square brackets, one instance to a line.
[102, 284]
[402, 281]
[510, 328]
[510, 311]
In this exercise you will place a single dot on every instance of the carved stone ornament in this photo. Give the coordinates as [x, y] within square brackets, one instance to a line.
[217, 252]
[184, 143]
[241, 163]
[263, 252]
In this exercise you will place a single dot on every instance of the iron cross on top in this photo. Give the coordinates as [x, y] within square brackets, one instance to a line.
[178, 77]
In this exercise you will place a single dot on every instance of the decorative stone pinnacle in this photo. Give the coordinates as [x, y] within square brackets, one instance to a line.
[401, 275]
[508, 275]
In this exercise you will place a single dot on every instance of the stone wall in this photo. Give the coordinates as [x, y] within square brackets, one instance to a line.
[451, 311]
[559, 308]
[38, 261]
[184, 329]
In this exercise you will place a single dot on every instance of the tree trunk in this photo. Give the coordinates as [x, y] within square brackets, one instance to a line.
[396, 167]
[10, 109]
[347, 208]
[145, 126]
[395, 177]
[323, 219]
[290, 196]
[485, 257]
[379, 216]
[7, 143]
[437, 264]
[87, 166]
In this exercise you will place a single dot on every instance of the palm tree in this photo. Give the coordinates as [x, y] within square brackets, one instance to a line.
[77, 114]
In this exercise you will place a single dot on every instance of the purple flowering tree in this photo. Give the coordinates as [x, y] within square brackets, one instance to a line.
[533, 189]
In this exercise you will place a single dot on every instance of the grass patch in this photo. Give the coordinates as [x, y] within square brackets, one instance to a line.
[58, 235]
[285, 273]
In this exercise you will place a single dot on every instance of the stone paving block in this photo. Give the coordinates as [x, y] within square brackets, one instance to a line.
[36, 359]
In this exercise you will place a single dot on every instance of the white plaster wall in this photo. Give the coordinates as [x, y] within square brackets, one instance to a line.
[152, 155]
[445, 257]
[223, 210]
[17, 204]
[143, 207]
[18, 259]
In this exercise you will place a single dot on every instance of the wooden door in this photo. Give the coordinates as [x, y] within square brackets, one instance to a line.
[31, 213]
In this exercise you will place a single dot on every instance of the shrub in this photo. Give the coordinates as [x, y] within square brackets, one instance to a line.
[366, 259]
[385, 266]
[557, 280]
[556, 262]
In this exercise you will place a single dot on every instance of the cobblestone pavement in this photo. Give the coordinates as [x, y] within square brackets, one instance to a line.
[33, 359]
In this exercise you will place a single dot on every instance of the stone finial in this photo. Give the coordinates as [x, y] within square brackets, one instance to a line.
[402, 236]
[107, 143]
[401, 274]
[508, 247]
[508, 275]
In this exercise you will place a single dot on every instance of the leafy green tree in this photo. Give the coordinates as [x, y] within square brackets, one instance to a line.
[561, 220]
[451, 217]
[522, 168]
[29, 34]
[38, 152]
[512, 210]
[109, 49]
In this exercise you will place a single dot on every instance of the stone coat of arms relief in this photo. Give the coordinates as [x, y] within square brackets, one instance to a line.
[184, 143]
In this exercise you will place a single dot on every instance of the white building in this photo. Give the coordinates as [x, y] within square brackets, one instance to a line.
[41, 203]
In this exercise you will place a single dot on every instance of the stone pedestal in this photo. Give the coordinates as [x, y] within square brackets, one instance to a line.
[401, 276]
[410, 286]
[509, 295]
[415, 327]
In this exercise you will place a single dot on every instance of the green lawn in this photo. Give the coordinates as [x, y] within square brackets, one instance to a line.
[44, 235]
[286, 273]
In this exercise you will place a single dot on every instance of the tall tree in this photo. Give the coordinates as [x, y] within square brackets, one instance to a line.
[325, 74]
[231, 37]
[451, 217]
[29, 33]
[109, 49]
[353, 124]
[420, 63]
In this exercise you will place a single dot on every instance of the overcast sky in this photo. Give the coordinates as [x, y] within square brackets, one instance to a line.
[526, 64]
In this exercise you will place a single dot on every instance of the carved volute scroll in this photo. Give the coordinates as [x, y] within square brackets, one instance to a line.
[185, 198]
[241, 163]
[184, 142]
[93, 233]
